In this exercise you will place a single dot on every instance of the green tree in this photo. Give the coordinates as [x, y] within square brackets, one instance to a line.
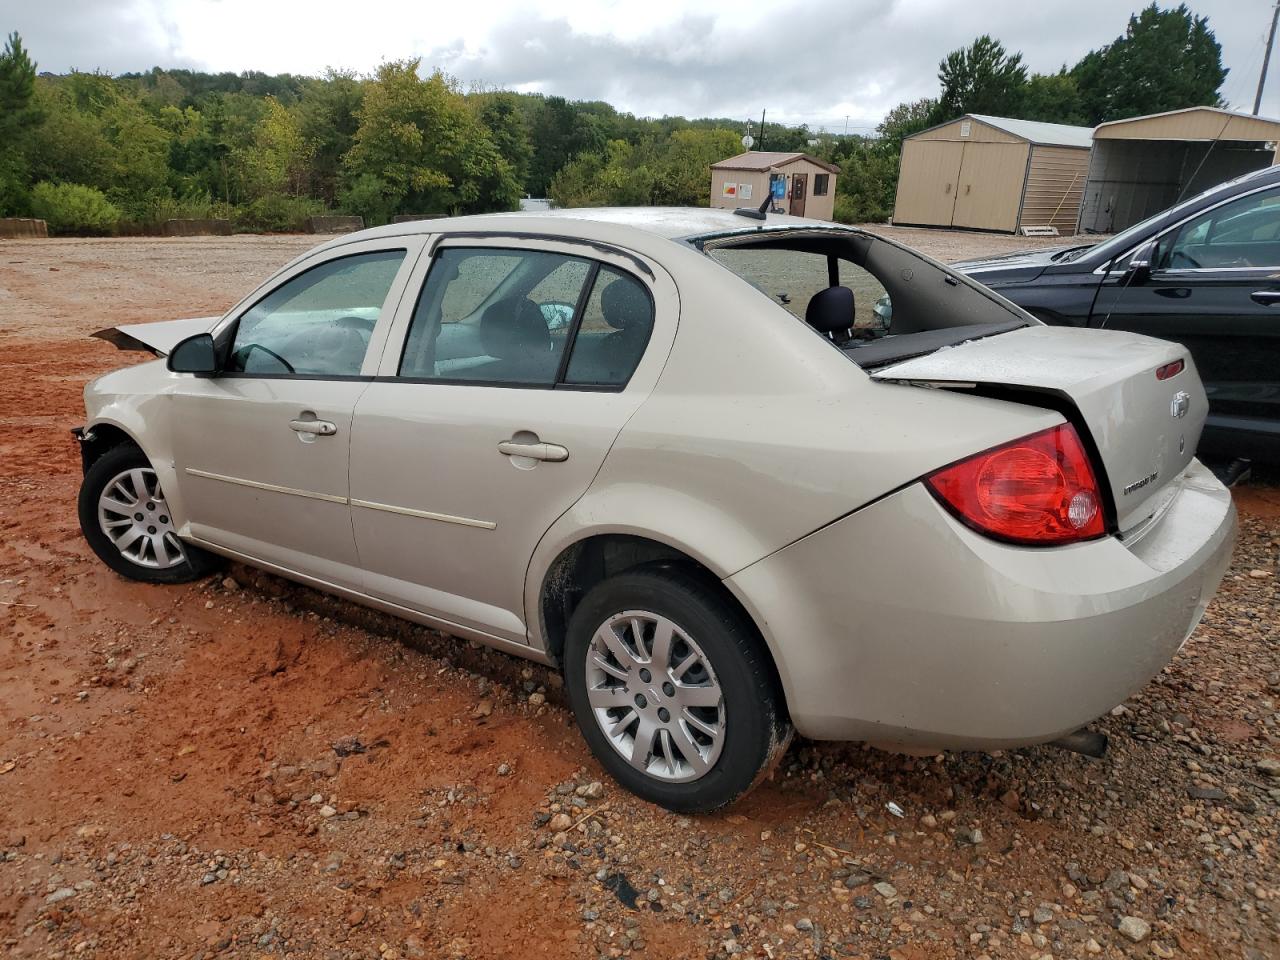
[904, 120]
[559, 132]
[1165, 60]
[327, 113]
[500, 113]
[421, 139]
[982, 78]
[17, 117]
[275, 160]
[1053, 98]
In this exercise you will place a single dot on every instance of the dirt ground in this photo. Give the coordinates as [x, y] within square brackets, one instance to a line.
[244, 768]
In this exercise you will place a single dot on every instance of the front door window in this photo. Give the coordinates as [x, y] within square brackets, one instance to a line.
[317, 324]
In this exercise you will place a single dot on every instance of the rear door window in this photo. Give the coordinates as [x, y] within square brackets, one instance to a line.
[526, 318]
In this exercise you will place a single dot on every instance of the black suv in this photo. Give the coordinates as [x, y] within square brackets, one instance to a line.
[1205, 273]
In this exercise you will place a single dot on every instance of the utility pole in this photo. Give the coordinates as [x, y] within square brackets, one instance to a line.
[766, 110]
[1266, 59]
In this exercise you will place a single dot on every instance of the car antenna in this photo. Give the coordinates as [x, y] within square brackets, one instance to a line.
[751, 213]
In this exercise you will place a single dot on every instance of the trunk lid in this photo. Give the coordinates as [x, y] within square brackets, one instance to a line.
[1144, 429]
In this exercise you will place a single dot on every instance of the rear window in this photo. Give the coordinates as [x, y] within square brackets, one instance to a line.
[793, 277]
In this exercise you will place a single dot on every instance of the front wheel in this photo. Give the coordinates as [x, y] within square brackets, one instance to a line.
[125, 519]
[673, 690]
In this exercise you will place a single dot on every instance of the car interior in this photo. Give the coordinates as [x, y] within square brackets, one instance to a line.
[924, 306]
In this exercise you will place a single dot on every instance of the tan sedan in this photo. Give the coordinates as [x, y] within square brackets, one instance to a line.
[734, 476]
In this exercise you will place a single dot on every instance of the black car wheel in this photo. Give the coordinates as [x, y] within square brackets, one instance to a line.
[126, 520]
[673, 690]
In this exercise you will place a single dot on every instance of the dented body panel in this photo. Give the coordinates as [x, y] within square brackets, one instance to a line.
[745, 443]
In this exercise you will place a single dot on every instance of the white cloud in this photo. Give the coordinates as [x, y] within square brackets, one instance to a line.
[805, 60]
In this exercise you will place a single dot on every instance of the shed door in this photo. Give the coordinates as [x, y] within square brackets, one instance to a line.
[991, 181]
[927, 182]
[799, 188]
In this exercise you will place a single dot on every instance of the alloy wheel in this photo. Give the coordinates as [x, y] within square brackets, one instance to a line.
[133, 515]
[655, 696]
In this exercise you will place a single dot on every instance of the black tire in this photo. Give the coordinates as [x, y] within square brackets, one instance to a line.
[756, 729]
[196, 562]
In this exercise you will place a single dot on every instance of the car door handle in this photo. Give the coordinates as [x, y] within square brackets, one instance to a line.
[1268, 298]
[534, 451]
[316, 428]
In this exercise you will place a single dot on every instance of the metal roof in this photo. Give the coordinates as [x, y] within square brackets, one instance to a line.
[1192, 123]
[1034, 131]
[768, 160]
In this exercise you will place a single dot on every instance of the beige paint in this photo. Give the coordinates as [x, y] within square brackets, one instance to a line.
[737, 407]
[1196, 123]
[927, 182]
[979, 132]
[990, 189]
[989, 180]
[1055, 187]
[816, 208]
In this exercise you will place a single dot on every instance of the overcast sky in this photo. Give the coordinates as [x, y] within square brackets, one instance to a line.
[813, 61]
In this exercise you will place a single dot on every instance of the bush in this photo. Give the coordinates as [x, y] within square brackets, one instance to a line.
[276, 214]
[188, 206]
[370, 197]
[73, 208]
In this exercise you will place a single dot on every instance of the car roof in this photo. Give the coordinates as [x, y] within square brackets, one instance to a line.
[672, 223]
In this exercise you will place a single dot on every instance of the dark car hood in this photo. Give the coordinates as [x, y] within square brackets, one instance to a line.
[1017, 267]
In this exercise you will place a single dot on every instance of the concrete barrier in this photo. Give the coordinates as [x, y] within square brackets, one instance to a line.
[22, 227]
[195, 228]
[411, 217]
[334, 224]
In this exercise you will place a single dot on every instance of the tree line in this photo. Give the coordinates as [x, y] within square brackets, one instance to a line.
[90, 152]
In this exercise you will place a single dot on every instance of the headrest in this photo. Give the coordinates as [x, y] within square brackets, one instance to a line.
[514, 327]
[830, 310]
[625, 304]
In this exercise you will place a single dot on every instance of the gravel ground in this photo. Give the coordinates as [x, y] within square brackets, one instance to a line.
[245, 768]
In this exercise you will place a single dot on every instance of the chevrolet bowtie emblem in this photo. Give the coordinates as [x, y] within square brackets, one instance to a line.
[1180, 404]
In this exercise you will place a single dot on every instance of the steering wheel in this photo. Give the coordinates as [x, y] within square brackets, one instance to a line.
[270, 353]
[1185, 256]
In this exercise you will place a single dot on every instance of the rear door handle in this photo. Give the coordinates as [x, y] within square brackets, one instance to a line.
[1268, 298]
[534, 451]
[316, 428]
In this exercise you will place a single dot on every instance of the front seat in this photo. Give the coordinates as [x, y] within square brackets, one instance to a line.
[514, 332]
[830, 312]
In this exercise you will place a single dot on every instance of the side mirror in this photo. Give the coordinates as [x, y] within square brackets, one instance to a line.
[1138, 271]
[194, 355]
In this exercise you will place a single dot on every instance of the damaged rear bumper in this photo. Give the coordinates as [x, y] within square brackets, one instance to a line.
[898, 625]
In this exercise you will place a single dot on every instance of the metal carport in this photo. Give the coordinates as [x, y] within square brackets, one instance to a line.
[1143, 165]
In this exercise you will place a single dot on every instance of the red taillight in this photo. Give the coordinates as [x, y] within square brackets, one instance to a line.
[1169, 370]
[1038, 491]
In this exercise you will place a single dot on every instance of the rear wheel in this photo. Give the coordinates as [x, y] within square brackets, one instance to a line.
[673, 690]
[126, 520]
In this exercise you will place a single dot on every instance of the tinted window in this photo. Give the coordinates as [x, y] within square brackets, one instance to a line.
[319, 322]
[1242, 233]
[615, 329]
[820, 182]
[494, 316]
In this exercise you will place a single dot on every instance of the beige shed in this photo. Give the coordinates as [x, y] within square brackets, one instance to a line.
[807, 185]
[1143, 165]
[993, 173]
